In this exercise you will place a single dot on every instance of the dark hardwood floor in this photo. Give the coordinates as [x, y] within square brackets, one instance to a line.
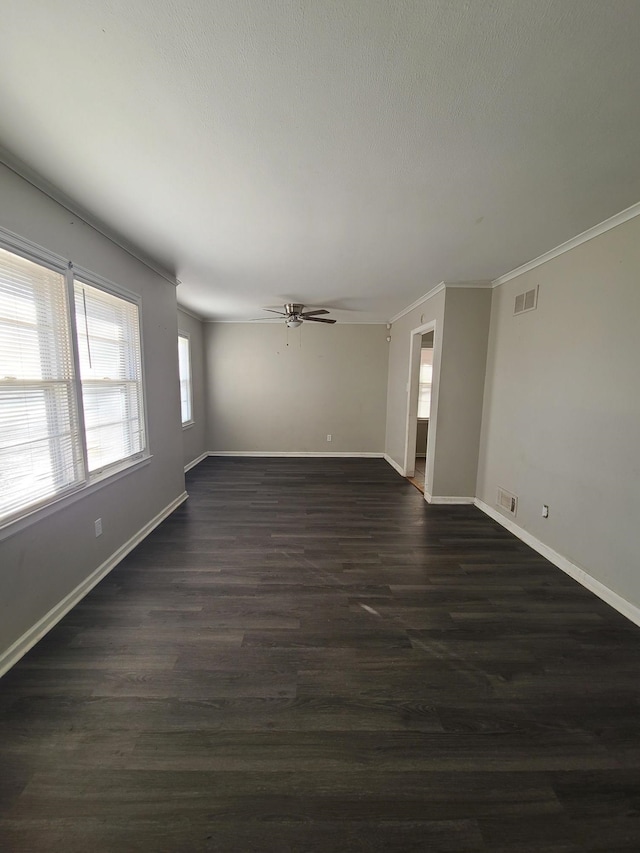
[307, 657]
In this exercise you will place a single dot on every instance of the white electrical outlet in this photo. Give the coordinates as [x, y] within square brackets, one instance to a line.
[98, 526]
[545, 511]
[329, 437]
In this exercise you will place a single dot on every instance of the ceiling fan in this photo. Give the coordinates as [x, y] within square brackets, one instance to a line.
[294, 315]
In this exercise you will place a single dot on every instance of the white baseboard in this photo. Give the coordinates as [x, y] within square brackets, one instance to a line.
[195, 461]
[296, 454]
[626, 608]
[394, 464]
[453, 500]
[28, 640]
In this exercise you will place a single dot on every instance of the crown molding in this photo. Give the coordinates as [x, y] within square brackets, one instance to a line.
[483, 283]
[585, 236]
[428, 295]
[40, 183]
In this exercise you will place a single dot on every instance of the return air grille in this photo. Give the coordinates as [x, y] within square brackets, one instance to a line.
[526, 301]
[507, 501]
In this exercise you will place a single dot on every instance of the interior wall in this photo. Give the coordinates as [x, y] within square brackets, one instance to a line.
[561, 423]
[461, 314]
[421, 437]
[194, 442]
[44, 562]
[398, 376]
[461, 385]
[273, 389]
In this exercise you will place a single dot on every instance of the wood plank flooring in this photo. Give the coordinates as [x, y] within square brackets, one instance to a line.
[307, 657]
[419, 472]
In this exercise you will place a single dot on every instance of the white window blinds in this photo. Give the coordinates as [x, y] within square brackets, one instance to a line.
[40, 447]
[184, 368]
[108, 331]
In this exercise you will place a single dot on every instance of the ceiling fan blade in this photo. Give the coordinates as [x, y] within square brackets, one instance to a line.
[317, 320]
[256, 319]
[282, 313]
[313, 313]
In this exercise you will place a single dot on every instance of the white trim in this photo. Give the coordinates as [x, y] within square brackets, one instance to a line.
[589, 234]
[481, 283]
[36, 180]
[626, 608]
[195, 462]
[297, 454]
[394, 464]
[453, 500]
[433, 292]
[28, 640]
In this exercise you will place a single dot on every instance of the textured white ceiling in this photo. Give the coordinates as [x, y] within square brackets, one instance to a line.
[349, 154]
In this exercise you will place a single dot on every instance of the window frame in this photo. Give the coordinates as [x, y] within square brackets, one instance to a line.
[93, 280]
[191, 420]
[87, 482]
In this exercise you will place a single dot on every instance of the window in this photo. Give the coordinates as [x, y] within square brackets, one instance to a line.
[108, 332]
[426, 373]
[184, 368]
[59, 430]
[40, 447]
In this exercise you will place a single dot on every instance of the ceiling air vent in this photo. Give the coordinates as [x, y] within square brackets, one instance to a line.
[526, 301]
[507, 501]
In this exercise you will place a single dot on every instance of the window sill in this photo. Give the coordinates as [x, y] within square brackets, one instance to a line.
[188, 424]
[30, 517]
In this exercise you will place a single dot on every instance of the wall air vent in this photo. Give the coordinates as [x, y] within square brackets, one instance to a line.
[507, 501]
[526, 301]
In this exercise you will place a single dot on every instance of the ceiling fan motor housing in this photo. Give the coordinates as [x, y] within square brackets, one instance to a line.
[293, 309]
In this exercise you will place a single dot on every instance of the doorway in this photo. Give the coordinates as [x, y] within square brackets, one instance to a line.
[421, 407]
[423, 413]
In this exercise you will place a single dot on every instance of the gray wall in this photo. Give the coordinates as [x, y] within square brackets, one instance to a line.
[461, 385]
[279, 390]
[421, 437]
[461, 315]
[194, 442]
[48, 559]
[561, 422]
